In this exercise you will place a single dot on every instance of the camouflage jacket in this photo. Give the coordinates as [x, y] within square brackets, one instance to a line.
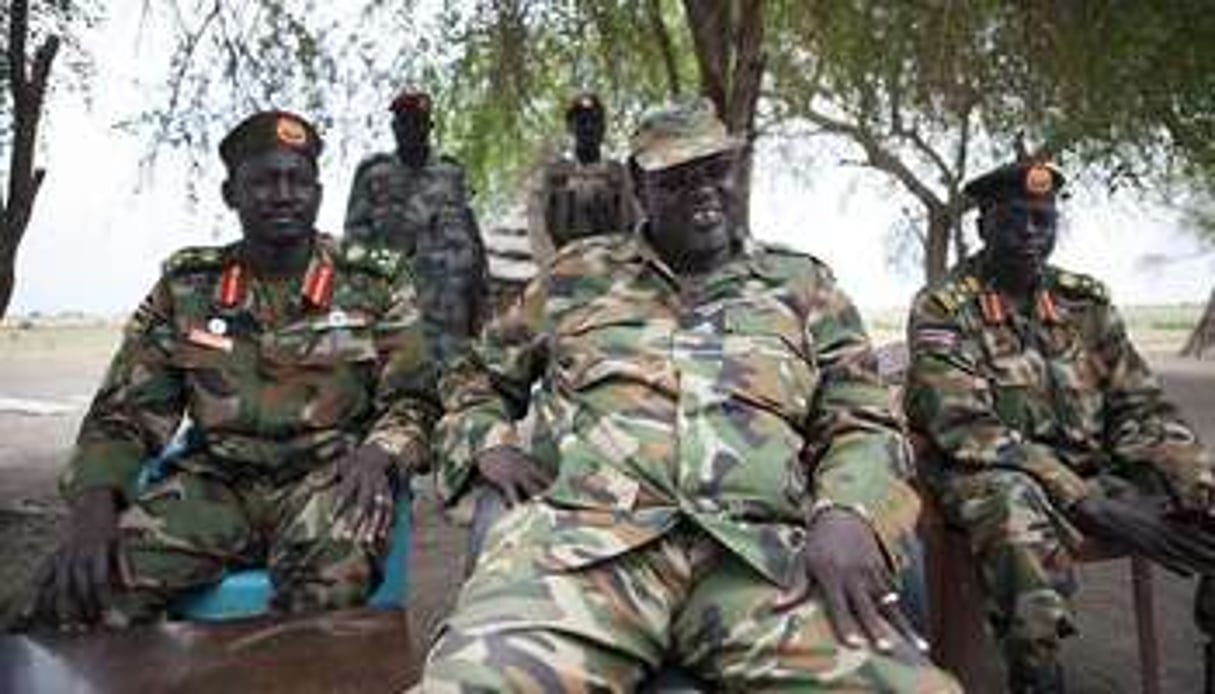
[424, 212]
[573, 200]
[1056, 389]
[277, 377]
[665, 399]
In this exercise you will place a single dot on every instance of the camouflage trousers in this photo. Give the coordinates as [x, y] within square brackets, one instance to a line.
[523, 624]
[1024, 547]
[187, 530]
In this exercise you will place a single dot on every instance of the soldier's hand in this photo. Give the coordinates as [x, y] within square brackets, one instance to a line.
[74, 583]
[513, 472]
[1145, 527]
[365, 499]
[842, 558]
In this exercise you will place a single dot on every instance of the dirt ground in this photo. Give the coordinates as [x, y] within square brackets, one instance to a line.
[54, 370]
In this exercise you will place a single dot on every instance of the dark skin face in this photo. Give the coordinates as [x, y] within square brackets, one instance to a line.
[587, 126]
[1019, 236]
[411, 128]
[688, 209]
[277, 195]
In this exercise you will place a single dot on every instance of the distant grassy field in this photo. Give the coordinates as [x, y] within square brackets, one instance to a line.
[1153, 328]
[54, 342]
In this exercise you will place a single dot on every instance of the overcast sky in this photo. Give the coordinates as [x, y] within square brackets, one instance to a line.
[97, 237]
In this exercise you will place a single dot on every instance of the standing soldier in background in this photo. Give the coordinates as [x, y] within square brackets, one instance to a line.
[417, 202]
[302, 365]
[1046, 425]
[583, 196]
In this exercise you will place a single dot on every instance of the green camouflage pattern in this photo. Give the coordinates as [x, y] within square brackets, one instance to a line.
[573, 200]
[672, 404]
[296, 387]
[189, 529]
[524, 623]
[679, 133]
[1025, 411]
[423, 212]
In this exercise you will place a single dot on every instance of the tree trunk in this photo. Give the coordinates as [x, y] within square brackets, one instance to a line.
[1203, 337]
[27, 84]
[728, 40]
[936, 245]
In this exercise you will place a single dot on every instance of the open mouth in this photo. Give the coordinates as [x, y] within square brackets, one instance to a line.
[706, 216]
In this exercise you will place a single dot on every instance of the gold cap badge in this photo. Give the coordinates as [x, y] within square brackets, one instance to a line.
[291, 132]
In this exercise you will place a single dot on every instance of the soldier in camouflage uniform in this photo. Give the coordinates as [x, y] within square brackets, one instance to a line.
[416, 202]
[301, 364]
[1046, 424]
[584, 195]
[727, 492]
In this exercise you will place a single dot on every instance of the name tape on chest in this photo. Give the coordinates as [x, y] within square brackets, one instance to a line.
[210, 340]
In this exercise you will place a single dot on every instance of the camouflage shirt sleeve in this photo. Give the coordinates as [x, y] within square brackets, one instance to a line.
[406, 398]
[489, 388]
[949, 401]
[859, 453]
[1142, 426]
[138, 407]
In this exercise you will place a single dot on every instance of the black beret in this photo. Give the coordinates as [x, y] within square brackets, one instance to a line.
[268, 130]
[410, 99]
[584, 101]
[1023, 179]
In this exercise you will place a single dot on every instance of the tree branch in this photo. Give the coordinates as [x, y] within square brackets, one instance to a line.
[879, 157]
[748, 67]
[707, 20]
[662, 35]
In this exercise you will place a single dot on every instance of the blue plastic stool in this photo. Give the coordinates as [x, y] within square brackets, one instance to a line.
[246, 592]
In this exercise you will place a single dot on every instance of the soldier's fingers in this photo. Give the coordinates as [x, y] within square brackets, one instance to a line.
[109, 574]
[511, 493]
[98, 581]
[861, 601]
[387, 516]
[373, 520]
[1190, 547]
[82, 586]
[532, 482]
[892, 612]
[840, 613]
[63, 591]
[44, 597]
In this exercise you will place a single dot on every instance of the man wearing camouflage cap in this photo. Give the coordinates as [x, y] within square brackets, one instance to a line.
[417, 202]
[584, 194]
[301, 365]
[726, 468]
[1046, 425]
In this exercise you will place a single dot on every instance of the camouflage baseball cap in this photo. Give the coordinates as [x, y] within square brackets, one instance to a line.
[679, 133]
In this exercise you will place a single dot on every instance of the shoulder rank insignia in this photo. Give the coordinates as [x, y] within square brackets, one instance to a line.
[1082, 285]
[194, 259]
[378, 260]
